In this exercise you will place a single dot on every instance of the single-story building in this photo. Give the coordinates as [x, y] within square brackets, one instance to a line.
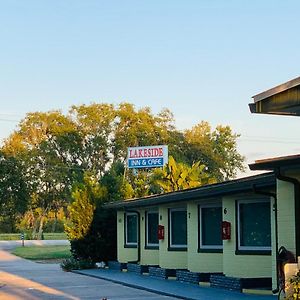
[230, 232]
[190, 224]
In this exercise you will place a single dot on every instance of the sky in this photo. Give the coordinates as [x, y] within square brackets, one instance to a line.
[203, 60]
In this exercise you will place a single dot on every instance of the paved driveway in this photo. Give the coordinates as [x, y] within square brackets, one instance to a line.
[26, 280]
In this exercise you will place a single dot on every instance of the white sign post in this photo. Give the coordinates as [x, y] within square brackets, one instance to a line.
[147, 156]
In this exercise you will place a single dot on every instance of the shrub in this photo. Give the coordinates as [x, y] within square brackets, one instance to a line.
[70, 264]
[99, 243]
[294, 287]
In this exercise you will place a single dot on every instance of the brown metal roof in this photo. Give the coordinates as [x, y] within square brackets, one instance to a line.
[283, 99]
[277, 89]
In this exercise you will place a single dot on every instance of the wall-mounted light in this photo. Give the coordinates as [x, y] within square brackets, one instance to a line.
[120, 220]
[160, 217]
[225, 211]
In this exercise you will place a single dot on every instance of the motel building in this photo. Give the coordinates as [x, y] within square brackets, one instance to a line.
[233, 234]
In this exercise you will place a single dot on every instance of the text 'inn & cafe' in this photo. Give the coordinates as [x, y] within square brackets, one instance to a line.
[232, 234]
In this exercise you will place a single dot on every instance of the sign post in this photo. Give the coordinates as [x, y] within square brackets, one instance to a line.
[22, 239]
[147, 156]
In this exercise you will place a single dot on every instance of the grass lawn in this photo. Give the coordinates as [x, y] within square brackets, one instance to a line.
[43, 252]
[47, 236]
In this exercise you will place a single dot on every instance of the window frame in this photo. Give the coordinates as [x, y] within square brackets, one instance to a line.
[126, 243]
[248, 249]
[176, 247]
[201, 246]
[147, 244]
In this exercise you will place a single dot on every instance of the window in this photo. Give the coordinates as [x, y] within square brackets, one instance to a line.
[178, 228]
[254, 225]
[210, 222]
[152, 229]
[131, 229]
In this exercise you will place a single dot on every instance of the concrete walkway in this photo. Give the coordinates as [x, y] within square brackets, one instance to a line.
[22, 279]
[171, 288]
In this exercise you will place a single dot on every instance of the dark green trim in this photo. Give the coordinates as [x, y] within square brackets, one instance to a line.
[237, 223]
[199, 231]
[253, 252]
[130, 246]
[146, 229]
[138, 230]
[241, 185]
[201, 250]
[171, 248]
[151, 247]
[180, 249]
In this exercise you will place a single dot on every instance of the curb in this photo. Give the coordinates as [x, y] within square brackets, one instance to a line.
[134, 286]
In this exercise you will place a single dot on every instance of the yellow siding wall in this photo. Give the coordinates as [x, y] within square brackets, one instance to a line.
[148, 256]
[286, 215]
[124, 254]
[244, 266]
[169, 259]
[286, 222]
[199, 262]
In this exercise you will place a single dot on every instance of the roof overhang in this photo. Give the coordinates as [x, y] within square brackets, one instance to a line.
[237, 186]
[283, 99]
[291, 161]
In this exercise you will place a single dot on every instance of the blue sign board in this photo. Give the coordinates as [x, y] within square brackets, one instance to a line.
[145, 163]
[147, 156]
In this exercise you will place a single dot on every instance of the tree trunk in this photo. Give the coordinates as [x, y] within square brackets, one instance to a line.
[40, 233]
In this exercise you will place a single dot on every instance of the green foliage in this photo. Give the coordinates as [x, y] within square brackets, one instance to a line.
[14, 195]
[100, 242]
[70, 264]
[216, 149]
[52, 152]
[178, 176]
[293, 291]
[81, 210]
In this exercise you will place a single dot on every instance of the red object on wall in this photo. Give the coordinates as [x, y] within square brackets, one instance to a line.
[226, 230]
[161, 232]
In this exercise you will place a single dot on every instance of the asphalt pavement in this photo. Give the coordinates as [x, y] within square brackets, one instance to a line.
[28, 280]
[22, 279]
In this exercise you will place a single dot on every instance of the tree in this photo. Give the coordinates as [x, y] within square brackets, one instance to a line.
[217, 149]
[86, 196]
[55, 150]
[178, 176]
[14, 194]
[91, 229]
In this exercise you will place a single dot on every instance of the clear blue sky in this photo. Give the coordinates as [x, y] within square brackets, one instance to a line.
[202, 59]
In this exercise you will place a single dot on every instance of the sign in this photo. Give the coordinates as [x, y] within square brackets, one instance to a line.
[147, 157]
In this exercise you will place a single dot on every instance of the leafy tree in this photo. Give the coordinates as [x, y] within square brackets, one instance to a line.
[178, 176]
[56, 150]
[91, 229]
[217, 149]
[86, 196]
[13, 192]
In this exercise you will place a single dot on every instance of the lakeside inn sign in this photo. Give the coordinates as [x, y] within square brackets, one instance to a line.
[147, 156]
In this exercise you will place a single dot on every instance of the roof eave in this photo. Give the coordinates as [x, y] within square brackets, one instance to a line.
[228, 188]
